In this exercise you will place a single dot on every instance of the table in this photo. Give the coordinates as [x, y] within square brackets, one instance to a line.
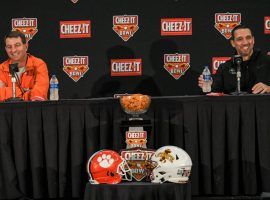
[44, 146]
[138, 190]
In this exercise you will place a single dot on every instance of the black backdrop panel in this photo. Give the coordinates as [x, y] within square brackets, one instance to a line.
[147, 43]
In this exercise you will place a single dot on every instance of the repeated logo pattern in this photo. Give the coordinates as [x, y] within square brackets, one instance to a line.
[176, 64]
[75, 29]
[225, 22]
[75, 66]
[28, 26]
[126, 67]
[176, 26]
[125, 26]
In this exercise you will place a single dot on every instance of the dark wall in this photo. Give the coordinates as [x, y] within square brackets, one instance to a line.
[147, 43]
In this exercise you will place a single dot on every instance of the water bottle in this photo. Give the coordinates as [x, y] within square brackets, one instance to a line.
[54, 89]
[207, 80]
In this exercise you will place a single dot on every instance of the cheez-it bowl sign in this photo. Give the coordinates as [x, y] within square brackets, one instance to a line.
[75, 66]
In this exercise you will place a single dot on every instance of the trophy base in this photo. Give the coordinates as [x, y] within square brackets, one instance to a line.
[135, 118]
[136, 123]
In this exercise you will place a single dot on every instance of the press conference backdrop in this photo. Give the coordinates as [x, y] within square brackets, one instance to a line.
[157, 47]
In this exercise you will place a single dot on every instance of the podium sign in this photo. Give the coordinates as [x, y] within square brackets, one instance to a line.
[139, 161]
[136, 137]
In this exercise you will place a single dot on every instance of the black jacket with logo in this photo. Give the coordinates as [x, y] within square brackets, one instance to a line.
[255, 70]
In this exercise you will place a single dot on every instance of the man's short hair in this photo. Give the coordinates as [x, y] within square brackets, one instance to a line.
[239, 27]
[15, 34]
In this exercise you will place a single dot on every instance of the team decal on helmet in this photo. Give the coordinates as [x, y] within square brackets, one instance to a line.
[125, 25]
[225, 22]
[176, 64]
[75, 66]
[28, 26]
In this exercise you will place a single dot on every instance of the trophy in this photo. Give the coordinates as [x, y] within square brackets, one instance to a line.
[135, 105]
[136, 154]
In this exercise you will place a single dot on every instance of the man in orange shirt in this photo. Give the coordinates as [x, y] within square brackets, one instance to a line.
[32, 71]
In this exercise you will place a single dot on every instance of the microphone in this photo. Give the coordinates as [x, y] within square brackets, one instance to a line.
[13, 68]
[237, 59]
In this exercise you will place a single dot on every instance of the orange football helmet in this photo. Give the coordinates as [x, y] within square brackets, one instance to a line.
[107, 166]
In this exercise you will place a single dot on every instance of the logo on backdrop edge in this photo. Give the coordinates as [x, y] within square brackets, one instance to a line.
[28, 26]
[267, 25]
[75, 66]
[216, 61]
[225, 22]
[177, 64]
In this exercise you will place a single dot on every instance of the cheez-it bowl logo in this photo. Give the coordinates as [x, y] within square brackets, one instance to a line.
[75, 66]
[176, 26]
[75, 29]
[125, 25]
[216, 61]
[225, 22]
[28, 26]
[267, 25]
[176, 64]
[126, 67]
[136, 139]
[139, 161]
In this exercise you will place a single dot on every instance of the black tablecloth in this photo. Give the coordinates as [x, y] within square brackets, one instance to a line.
[44, 146]
[138, 190]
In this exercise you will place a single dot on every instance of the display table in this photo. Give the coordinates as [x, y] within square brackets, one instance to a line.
[138, 190]
[44, 146]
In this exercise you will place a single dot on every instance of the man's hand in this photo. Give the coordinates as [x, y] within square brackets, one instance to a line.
[201, 81]
[2, 84]
[260, 88]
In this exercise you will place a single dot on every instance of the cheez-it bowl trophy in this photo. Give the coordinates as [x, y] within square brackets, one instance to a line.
[136, 153]
[135, 105]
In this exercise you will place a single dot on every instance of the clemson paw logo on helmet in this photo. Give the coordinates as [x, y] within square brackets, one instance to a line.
[105, 161]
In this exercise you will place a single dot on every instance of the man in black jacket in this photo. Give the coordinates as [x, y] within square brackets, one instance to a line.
[255, 68]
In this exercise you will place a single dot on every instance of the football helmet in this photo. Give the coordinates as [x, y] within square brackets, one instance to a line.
[107, 166]
[173, 165]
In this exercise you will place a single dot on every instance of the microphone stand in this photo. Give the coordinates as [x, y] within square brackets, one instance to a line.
[238, 60]
[12, 69]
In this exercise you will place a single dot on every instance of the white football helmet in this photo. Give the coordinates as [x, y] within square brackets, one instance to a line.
[173, 165]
